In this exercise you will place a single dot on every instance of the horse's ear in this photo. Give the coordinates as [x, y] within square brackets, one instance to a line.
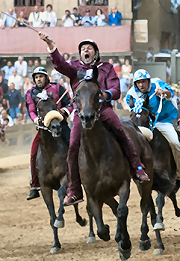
[146, 102]
[95, 72]
[50, 95]
[131, 102]
[80, 75]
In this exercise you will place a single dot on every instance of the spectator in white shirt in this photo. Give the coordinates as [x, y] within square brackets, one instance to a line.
[3, 116]
[68, 19]
[49, 17]
[150, 56]
[21, 66]
[36, 18]
[17, 80]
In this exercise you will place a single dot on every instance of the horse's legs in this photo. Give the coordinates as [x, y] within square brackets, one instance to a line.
[102, 230]
[160, 201]
[81, 221]
[159, 247]
[48, 199]
[91, 237]
[62, 192]
[124, 243]
[172, 196]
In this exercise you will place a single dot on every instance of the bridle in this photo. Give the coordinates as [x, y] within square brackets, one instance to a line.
[97, 113]
[41, 119]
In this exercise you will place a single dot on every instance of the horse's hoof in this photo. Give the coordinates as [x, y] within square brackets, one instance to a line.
[159, 226]
[177, 212]
[82, 222]
[145, 245]
[55, 250]
[59, 223]
[104, 234]
[158, 252]
[124, 254]
[91, 240]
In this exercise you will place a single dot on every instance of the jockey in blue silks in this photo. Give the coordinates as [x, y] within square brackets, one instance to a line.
[155, 88]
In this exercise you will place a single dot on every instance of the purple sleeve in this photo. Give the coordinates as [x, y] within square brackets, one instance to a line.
[113, 84]
[62, 66]
[31, 106]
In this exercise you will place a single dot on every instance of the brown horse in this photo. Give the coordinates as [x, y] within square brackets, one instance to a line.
[104, 170]
[51, 162]
[164, 166]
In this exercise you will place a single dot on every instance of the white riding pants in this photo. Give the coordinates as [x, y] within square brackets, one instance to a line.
[170, 134]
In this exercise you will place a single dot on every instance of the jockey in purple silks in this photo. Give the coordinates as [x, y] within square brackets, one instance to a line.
[41, 79]
[109, 83]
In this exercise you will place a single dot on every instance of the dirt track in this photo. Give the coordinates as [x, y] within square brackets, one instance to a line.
[25, 233]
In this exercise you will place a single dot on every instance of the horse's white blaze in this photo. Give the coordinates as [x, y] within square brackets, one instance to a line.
[51, 115]
[146, 132]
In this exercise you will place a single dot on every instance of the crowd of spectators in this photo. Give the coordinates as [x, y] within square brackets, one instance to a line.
[15, 81]
[48, 18]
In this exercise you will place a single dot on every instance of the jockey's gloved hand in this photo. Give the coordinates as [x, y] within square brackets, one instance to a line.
[63, 112]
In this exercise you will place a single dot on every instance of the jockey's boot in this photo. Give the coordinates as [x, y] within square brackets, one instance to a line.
[140, 174]
[74, 190]
[35, 185]
[33, 194]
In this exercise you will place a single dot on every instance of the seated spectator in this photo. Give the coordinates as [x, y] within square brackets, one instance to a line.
[118, 67]
[17, 80]
[77, 16]
[5, 104]
[1, 107]
[19, 119]
[15, 100]
[3, 84]
[83, 2]
[9, 21]
[21, 66]
[30, 69]
[115, 17]
[127, 69]
[27, 85]
[150, 56]
[56, 76]
[99, 19]
[21, 19]
[67, 57]
[68, 19]
[8, 70]
[5, 122]
[87, 20]
[49, 17]
[36, 18]
[36, 63]
[4, 116]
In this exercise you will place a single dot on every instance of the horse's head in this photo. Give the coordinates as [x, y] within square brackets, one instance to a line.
[48, 116]
[140, 112]
[88, 98]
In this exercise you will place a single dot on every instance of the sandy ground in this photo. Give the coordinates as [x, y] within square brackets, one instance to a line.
[25, 233]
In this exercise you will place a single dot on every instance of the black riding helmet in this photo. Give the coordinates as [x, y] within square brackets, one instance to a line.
[89, 41]
[41, 70]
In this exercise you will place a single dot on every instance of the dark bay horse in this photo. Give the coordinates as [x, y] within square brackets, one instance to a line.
[164, 166]
[104, 170]
[51, 163]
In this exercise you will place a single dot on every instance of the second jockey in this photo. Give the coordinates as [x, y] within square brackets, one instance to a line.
[41, 80]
